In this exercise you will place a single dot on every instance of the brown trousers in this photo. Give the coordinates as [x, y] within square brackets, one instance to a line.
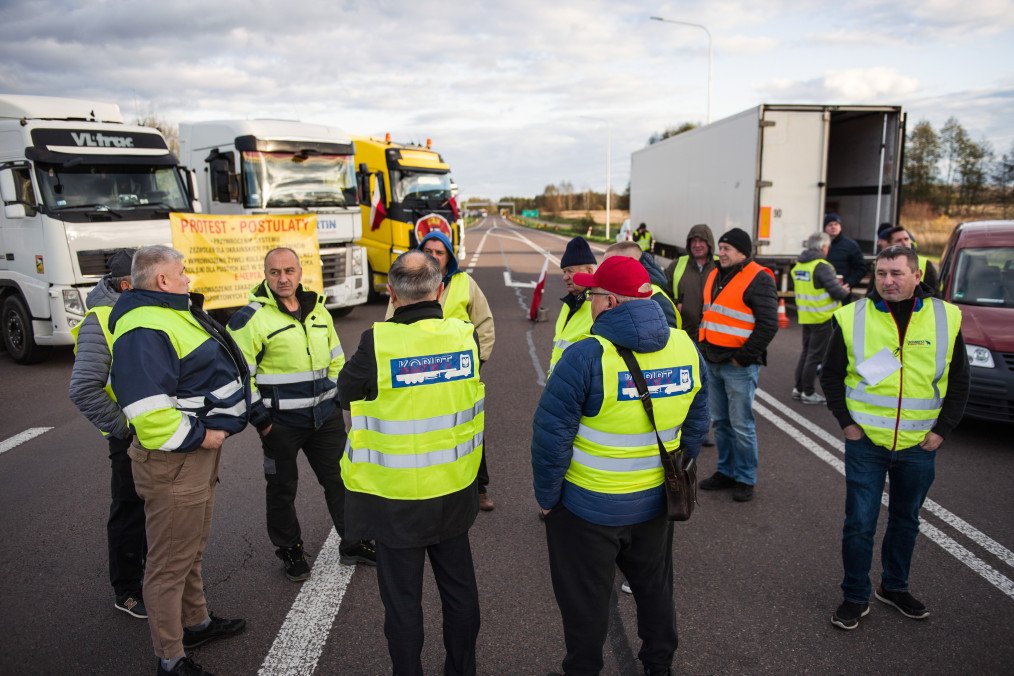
[179, 492]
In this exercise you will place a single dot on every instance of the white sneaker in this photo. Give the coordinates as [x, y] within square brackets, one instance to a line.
[796, 394]
[813, 398]
[626, 588]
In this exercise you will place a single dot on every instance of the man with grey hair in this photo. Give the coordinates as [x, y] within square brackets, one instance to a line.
[414, 406]
[184, 388]
[819, 292]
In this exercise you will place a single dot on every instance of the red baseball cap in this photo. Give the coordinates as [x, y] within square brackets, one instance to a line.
[620, 275]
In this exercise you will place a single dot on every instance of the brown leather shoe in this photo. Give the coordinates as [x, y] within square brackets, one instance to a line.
[485, 502]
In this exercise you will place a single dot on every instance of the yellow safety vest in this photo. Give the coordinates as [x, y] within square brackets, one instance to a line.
[898, 411]
[815, 306]
[456, 297]
[422, 436]
[922, 264]
[570, 331]
[616, 451]
[679, 270]
[655, 290]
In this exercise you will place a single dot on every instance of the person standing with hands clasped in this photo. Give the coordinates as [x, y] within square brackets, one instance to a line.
[597, 471]
[896, 379]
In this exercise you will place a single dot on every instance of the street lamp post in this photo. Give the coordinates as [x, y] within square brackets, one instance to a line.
[696, 25]
[609, 164]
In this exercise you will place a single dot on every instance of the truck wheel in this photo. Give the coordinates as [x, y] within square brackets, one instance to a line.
[18, 336]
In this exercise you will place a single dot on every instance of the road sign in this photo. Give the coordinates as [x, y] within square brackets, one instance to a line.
[530, 213]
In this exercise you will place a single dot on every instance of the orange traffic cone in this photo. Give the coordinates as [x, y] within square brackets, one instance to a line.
[783, 318]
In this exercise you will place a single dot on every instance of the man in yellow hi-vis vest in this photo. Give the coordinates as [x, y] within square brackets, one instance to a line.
[597, 469]
[414, 408]
[575, 320]
[896, 378]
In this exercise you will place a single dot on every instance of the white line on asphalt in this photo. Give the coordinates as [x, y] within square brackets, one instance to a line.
[959, 524]
[18, 439]
[513, 234]
[947, 543]
[540, 375]
[595, 247]
[478, 250]
[507, 281]
[306, 628]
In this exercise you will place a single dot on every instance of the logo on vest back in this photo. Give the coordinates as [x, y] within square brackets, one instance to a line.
[666, 382]
[803, 275]
[434, 368]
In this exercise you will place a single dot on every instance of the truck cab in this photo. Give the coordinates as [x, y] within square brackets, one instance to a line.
[285, 167]
[77, 184]
[413, 188]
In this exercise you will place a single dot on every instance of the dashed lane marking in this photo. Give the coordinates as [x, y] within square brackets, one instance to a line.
[18, 439]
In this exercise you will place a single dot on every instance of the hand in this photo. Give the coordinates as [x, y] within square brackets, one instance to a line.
[931, 442]
[545, 512]
[846, 287]
[853, 432]
[266, 431]
[736, 363]
[213, 439]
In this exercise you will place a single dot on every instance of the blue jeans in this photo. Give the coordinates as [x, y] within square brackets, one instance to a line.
[730, 398]
[911, 472]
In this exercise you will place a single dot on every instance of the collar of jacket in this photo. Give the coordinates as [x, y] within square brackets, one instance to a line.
[725, 273]
[424, 309]
[574, 302]
[263, 294]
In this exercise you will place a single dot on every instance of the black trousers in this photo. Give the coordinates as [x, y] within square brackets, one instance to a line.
[125, 527]
[323, 448]
[583, 558]
[399, 574]
[815, 340]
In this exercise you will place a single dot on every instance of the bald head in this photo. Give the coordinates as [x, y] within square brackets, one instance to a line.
[283, 272]
[628, 249]
[414, 277]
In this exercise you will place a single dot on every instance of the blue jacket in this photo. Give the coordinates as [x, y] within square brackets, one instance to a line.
[575, 390]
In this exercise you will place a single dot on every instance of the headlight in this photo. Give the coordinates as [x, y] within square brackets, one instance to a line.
[72, 302]
[357, 261]
[979, 356]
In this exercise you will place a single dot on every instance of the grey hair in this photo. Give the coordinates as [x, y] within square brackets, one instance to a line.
[414, 276]
[817, 241]
[146, 263]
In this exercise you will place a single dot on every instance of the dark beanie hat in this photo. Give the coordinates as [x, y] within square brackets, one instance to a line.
[831, 218]
[884, 230]
[120, 261]
[578, 253]
[739, 239]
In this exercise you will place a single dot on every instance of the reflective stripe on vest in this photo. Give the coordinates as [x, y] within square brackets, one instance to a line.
[570, 330]
[896, 412]
[813, 305]
[655, 291]
[727, 321]
[422, 436]
[456, 297]
[615, 451]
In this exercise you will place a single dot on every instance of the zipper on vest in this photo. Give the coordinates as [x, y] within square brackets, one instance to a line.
[901, 375]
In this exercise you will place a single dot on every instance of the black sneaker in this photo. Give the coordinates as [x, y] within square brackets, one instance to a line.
[717, 482]
[904, 602]
[185, 667]
[296, 567]
[132, 604]
[219, 628]
[848, 614]
[742, 492]
[362, 552]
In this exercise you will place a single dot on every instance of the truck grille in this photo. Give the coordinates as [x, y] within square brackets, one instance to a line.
[94, 262]
[333, 262]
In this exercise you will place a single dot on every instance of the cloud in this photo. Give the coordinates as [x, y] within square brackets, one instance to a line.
[878, 84]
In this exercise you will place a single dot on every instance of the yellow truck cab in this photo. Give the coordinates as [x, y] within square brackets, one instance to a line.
[406, 192]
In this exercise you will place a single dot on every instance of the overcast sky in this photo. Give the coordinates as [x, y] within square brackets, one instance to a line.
[505, 88]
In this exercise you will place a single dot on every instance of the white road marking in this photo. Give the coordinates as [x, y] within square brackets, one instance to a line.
[22, 437]
[507, 281]
[947, 543]
[513, 234]
[478, 250]
[959, 524]
[306, 628]
[593, 245]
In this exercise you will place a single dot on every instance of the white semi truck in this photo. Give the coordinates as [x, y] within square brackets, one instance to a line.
[284, 167]
[77, 183]
[774, 171]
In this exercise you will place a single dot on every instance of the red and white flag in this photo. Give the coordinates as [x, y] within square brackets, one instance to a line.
[533, 314]
[453, 204]
[377, 211]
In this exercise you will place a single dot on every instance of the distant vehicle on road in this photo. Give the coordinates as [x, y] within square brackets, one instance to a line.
[977, 274]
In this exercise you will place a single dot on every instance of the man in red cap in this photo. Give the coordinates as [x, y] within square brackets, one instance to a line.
[597, 470]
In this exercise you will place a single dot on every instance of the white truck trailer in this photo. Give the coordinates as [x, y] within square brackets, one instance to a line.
[774, 171]
[284, 167]
[76, 185]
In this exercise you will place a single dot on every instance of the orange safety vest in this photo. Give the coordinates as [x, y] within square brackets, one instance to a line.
[727, 321]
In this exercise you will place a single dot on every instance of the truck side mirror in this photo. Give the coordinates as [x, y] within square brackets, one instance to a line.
[220, 167]
[8, 191]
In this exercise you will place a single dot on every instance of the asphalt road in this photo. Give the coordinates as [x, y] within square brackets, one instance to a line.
[756, 582]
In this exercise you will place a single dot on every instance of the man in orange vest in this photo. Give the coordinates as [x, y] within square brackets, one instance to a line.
[740, 320]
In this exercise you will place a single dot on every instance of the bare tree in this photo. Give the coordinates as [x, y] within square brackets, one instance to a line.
[170, 130]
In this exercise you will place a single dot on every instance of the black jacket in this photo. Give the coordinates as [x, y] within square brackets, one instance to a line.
[832, 373]
[762, 299]
[399, 523]
[847, 259]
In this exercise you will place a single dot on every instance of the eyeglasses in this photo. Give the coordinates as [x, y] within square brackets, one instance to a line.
[598, 293]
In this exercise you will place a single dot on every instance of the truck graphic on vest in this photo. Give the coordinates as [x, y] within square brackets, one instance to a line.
[664, 382]
[431, 369]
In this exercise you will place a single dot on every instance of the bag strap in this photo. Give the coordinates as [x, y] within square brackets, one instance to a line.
[645, 396]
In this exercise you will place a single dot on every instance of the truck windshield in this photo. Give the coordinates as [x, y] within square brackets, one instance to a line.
[81, 192]
[303, 179]
[985, 277]
[410, 186]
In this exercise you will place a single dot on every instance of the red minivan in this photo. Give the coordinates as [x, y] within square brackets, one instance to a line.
[977, 275]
